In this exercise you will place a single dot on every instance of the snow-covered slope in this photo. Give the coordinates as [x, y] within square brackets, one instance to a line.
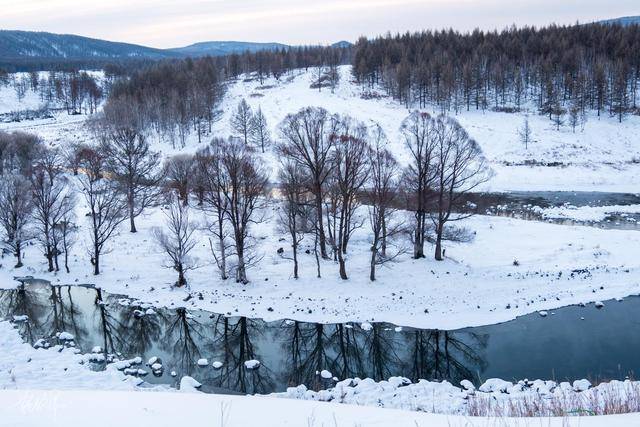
[605, 156]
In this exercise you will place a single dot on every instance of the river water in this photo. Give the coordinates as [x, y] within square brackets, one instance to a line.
[569, 343]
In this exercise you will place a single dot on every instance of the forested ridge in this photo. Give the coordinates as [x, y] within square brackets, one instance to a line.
[594, 66]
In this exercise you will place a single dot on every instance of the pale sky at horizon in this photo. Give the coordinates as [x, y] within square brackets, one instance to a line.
[164, 23]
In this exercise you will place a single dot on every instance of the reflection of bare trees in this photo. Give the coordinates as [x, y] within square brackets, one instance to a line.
[350, 354]
[109, 326]
[316, 355]
[21, 302]
[63, 314]
[297, 350]
[140, 332]
[185, 331]
[237, 344]
[440, 355]
[379, 345]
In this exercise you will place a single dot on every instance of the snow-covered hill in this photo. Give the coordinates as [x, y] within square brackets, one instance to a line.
[604, 156]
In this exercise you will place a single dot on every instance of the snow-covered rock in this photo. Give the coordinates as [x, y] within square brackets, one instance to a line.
[189, 385]
[252, 364]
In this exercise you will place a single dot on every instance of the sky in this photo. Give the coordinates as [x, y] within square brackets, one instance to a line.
[165, 24]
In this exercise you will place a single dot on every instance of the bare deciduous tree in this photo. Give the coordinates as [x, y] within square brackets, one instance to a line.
[384, 170]
[214, 202]
[294, 210]
[525, 133]
[243, 185]
[306, 141]
[351, 168]
[177, 239]
[241, 121]
[259, 130]
[418, 130]
[130, 160]
[107, 209]
[15, 208]
[49, 192]
[66, 232]
[178, 171]
[461, 168]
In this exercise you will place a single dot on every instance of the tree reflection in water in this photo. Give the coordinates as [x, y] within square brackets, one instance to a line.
[185, 331]
[25, 302]
[443, 355]
[109, 327]
[236, 343]
[290, 352]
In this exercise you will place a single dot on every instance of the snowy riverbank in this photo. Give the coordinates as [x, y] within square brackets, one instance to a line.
[27, 373]
[477, 284]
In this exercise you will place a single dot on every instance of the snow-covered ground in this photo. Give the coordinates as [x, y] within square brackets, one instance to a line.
[58, 367]
[477, 284]
[75, 409]
[503, 397]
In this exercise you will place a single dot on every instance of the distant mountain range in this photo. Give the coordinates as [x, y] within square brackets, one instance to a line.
[225, 48]
[29, 45]
[626, 20]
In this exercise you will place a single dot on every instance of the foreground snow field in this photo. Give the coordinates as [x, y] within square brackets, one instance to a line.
[74, 409]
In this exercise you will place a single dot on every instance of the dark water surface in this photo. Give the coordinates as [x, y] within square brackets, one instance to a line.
[561, 346]
[520, 204]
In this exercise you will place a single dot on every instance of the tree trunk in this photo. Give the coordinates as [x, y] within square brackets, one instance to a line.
[241, 274]
[323, 244]
[96, 261]
[223, 256]
[439, 242]
[383, 238]
[131, 203]
[295, 260]
[343, 270]
[18, 255]
[315, 251]
[182, 281]
[372, 272]
[50, 258]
